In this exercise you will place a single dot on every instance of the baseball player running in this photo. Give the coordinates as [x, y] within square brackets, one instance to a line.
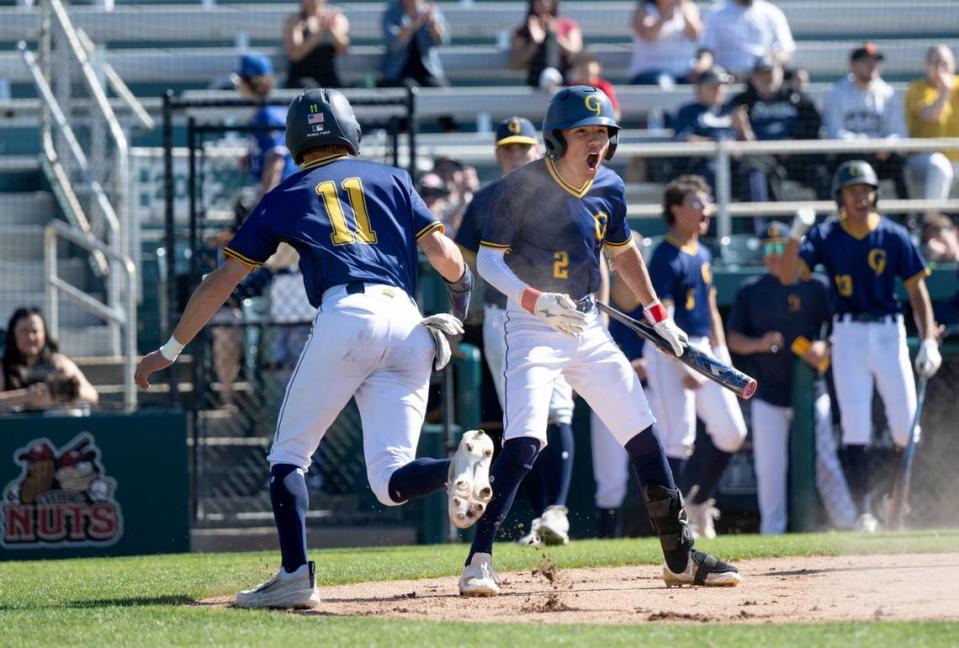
[555, 217]
[548, 483]
[357, 226]
[773, 323]
[863, 253]
[680, 270]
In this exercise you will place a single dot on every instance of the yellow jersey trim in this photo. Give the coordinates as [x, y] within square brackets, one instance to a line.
[247, 261]
[691, 248]
[629, 239]
[436, 225]
[323, 161]
[568, 188]
[871, 224]
[914, 279]
[495, 246]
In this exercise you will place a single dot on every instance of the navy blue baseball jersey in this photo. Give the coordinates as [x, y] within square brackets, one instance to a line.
[701, 120]
[350, 220]
[554, 233]
[763, 304]
[682, 274]
[263, 143]
[470, 233]
[629, 342]
[863, 268]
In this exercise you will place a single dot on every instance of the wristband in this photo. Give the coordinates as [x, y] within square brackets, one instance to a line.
[528, 299]
[171, 349]
[655, 312]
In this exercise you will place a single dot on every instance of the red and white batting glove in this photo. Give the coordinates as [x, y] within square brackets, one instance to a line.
[657, 315]
[556, 309]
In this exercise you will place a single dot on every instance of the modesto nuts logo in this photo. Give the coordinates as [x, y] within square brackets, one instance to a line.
[62, 498]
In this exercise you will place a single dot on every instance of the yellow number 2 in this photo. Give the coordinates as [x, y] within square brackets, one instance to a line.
[844, 285]
[561, 265]
[342, 234]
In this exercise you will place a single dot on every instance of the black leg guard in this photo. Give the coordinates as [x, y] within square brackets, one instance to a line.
[666, 512]
[609, 523]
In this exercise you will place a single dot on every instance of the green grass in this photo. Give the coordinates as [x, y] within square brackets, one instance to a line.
[147, 600]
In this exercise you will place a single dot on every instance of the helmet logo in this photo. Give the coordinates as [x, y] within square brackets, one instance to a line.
[877, 260]
[854, 171]
[514, 127]
[593, 104]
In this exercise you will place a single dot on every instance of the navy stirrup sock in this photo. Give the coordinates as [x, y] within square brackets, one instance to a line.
[677, 466]
[418, 478]
[857, 473]
[514, 461]
[649, 460]
[290, 503]
[713, 467]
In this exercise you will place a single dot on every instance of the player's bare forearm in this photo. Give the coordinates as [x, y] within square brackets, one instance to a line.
[922, 308]
[631, 268]
[469, 256]
[790, 261]
[443, 255]
[717, 337]
[208, 297]
[742, 344]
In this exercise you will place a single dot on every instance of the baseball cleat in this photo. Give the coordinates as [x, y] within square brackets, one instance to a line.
[532, 538]
[553, 527]
[703, 570]
[702, 515]
[468, 486]
[285, 590]
[867, 523]
[479, 578]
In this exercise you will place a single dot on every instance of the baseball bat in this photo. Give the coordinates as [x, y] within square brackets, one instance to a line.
[900, 490]
[729, 377]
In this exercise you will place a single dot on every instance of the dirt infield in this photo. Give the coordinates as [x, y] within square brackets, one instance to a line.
[782, 590]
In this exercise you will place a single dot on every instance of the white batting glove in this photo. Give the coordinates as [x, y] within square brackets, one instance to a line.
[556, 309]
[657, 315]
[804, 219]
[928, 360]
[440, 326]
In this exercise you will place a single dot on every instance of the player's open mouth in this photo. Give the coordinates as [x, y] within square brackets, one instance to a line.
[592, 161]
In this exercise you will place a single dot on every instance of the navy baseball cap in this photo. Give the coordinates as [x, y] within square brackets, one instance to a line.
[714, 76]
[255, 64]
[515, 130]
[765, 63]
[775, 231]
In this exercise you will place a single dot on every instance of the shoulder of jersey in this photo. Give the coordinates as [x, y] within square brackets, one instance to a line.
[820, 279]
[751, 282]
[608, 175]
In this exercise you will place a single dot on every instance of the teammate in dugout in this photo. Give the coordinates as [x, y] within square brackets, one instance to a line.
[356, 226]
[555, 217]
[548, 484]
[773, 323]
[680, 270]
[863, 254]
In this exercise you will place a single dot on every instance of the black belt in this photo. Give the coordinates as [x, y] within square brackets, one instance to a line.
[866, 318]
[585, 304]
[355, 287]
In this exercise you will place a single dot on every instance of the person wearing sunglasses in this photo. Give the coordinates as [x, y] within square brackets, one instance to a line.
[773, 323]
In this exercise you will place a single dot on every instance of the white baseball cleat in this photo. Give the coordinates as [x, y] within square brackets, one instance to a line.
[867, 523]
[479, 578]
[703, 570]
[553, 528]
[702, 515]
[285, 590]
[532, 538]
[468, 487]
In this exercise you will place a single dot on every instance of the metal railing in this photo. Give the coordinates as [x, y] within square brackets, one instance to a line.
[123, 316]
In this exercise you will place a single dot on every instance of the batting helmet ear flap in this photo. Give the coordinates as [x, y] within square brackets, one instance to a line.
[555, 143]
[613, 142]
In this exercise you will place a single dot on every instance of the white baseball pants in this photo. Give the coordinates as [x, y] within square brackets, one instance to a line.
[610, 465]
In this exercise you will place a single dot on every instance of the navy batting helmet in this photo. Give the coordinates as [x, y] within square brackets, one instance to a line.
[574, 107]
[321, 117]
[851, 173]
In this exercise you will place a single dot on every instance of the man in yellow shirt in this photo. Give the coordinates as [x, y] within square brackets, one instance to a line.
[932, 110]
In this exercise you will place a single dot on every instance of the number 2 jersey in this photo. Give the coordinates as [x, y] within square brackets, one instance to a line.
[349, 219]
[863, 266]
[554, 233]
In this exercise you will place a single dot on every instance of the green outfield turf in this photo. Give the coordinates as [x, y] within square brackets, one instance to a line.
[148, 601]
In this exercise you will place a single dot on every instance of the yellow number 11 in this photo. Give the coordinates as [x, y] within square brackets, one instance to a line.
[342, 234]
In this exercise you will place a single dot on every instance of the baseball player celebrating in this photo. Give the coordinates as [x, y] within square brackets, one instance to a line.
[357, 226]
[680, 269]
[863, 253]
[555, 217]
[548, 483]
[773, 322]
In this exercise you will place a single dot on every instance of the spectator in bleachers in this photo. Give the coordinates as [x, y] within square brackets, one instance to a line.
[587, 70]
[932, 110]
[741, 31]
[462, 182]
[665, 37]
[863, 106]
[777, 111]
[545, 41]
[35, 375]
[940, 239]
[312, 39]
[432, 189]
[413, 31]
